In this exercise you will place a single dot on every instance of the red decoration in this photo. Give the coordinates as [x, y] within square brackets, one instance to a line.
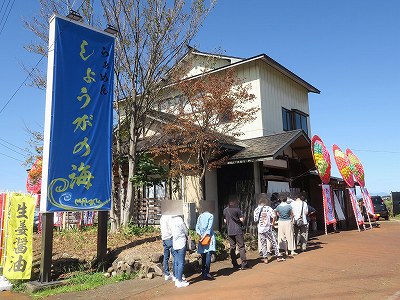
[34, 180]
[343, 165]
[356, 167]
[322, 159]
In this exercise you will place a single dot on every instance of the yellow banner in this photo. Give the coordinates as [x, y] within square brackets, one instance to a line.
[18, 262]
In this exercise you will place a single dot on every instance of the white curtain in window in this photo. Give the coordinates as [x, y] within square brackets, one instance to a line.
[277, 187]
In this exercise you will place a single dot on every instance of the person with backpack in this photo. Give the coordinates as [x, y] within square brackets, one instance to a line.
[265, 217]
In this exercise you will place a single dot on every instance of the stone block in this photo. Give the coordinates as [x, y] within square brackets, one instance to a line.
[156, 257]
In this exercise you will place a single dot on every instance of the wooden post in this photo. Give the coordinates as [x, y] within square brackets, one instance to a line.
[47, 247]
[102, 240]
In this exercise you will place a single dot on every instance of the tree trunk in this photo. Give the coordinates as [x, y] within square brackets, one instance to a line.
[114, 213]
[126, 211]
[202, 184]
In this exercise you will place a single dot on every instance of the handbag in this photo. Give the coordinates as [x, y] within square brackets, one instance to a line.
[300, 222]
[205, 240]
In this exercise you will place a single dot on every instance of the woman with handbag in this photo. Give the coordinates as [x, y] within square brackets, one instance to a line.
[207, 242]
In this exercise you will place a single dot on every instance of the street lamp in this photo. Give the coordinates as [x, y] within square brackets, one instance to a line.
[111, 29]
[73, 15]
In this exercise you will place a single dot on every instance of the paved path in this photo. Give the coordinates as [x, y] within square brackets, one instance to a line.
[347, 265]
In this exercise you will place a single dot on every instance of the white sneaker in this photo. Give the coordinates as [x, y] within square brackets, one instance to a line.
[180, 284]
[174, 278]
[168, 277]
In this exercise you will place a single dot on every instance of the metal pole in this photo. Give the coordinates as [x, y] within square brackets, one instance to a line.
[102, 240]
[47, 247]
[369, 220]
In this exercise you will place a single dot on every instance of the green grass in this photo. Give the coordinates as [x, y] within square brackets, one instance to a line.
[81, 281]
[396, 217]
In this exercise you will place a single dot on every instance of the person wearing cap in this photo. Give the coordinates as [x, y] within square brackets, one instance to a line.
[285, 225]
[204, 228]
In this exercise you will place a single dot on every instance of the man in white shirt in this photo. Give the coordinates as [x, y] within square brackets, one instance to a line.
[300, 210]
[166, 236]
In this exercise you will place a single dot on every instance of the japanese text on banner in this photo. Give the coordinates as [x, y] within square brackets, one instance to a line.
[18, 263]
[328, 206]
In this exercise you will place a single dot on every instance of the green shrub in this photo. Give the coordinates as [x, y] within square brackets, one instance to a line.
[136, 230]
[389, 205]
[18, 285]
[220, 248]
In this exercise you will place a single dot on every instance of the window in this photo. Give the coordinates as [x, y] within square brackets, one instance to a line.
[156, 191]
[294, 119]
[286, 118]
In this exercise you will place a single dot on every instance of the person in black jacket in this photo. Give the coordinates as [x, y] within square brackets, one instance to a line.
[233, 218]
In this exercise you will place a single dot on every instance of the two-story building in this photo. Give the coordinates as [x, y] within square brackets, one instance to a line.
[274, 153]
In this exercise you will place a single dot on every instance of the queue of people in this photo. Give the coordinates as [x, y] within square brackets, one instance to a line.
[292, 217]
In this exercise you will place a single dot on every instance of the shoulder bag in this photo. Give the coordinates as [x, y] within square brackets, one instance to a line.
[300, 222]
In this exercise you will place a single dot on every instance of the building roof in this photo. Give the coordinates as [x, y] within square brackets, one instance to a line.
[226, 141]
[271, 146]
[235, 61]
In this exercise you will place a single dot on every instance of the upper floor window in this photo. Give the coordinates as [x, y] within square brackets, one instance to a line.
[294, 119]
[286, 119]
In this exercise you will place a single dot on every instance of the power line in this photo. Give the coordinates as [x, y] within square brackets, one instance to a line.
[12, 149]
[4, 24]
[5, 10]
[1, 8]
[12, 144]
[376, 151]
[23, 82]
[11, 157]
[30, 73]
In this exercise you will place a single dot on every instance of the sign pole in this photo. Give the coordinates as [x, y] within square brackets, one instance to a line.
[325, 219]
[102, 240]
[369, 220]
[47, 247]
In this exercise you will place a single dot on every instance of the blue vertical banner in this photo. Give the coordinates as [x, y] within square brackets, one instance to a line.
[78, 127]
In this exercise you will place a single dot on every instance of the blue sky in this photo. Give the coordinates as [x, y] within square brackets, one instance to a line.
[347, 49]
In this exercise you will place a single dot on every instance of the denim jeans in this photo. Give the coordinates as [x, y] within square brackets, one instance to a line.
[179, 262]
[205, 263]
[167, 251]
